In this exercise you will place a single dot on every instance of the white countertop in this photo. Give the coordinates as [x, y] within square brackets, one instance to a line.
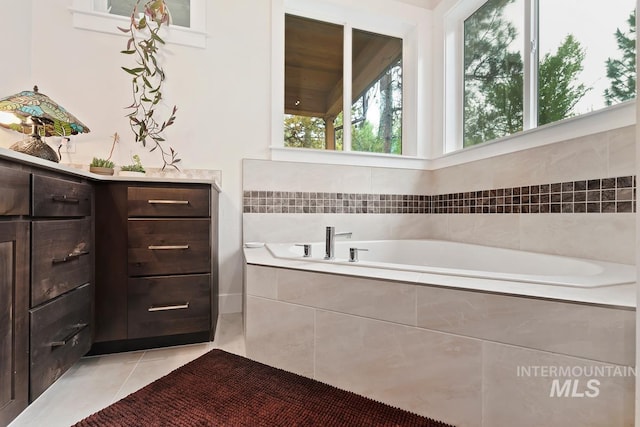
[70, 170]
[618, 295]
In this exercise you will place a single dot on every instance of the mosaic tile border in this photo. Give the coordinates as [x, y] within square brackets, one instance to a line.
[604, 195]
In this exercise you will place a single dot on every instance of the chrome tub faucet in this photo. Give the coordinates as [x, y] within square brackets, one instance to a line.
[330, 241]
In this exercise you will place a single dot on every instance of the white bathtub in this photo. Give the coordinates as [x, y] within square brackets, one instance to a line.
[467, 260]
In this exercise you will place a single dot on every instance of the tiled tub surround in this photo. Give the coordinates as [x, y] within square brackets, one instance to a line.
[604, 195]
[453, 354]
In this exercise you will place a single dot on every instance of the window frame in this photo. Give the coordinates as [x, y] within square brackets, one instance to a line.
[398, 20]
[454, 16]
[92, 15]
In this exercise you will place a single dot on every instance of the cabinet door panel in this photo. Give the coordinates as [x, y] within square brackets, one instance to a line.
[61, 257]
[168, 202]
[169, 305]
[161, 247]
[14, 305]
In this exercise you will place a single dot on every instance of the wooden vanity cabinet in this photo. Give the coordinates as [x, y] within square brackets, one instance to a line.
[14, 320]
[60, 314]
[14, 293]
[156, 274]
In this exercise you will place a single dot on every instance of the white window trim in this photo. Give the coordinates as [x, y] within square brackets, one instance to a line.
[92, 15]
[396, 20]
[454, 14]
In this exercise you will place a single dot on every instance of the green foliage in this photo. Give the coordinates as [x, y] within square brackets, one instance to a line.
[493, 96]
[101, 163]
[136, 166]
[148, 78]
[558, 87]
[304, 132]
[622, 72]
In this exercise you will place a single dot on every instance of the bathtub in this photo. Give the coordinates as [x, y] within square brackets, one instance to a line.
[464, 260]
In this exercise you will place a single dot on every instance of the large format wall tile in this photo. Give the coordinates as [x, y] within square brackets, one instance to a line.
[515, 397]
[435, 374]
[379, 299]
[603, 236]
[593, 332]
[261, 281]
[280, 335]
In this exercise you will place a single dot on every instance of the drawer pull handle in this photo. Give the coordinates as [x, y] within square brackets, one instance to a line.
[69, 257]
[65, 199]
[168, 202]
[168, 307]
[167, 247]
[76, 330]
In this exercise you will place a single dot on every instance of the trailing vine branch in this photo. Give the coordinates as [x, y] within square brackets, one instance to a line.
[148, 77]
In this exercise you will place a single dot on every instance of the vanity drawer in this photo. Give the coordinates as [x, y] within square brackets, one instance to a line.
[169, 305]
[169, 246]
[53, 197]
[14, 191]
[168, 202]
[61, 257]
[60, 335]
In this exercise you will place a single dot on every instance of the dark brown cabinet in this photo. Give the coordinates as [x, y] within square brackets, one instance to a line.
[60, 316]
[14, 326]
[156, 268]
[153, 246]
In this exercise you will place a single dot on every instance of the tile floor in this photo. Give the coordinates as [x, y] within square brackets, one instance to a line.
[95, 382]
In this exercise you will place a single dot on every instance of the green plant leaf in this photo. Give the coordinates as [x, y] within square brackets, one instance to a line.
[133, 71]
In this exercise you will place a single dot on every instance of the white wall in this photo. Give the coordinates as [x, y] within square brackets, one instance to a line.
[222, 93]
[15, 31]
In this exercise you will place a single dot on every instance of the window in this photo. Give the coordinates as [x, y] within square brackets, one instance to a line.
[315, 90]
[180, 10]
[188, 18]
[519, 76]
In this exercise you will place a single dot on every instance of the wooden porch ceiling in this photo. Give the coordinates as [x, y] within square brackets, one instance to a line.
[313, 65]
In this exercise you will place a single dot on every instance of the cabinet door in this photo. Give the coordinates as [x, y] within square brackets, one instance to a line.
[14, 306]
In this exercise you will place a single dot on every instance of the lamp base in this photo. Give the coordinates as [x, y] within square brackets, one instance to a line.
[35, 147]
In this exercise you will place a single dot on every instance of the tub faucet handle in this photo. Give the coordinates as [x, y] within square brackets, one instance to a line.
[353, 254]
[306, 248]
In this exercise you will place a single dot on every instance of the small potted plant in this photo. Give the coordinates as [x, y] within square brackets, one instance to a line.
[134, 169]
[101, 166]
[104, 166]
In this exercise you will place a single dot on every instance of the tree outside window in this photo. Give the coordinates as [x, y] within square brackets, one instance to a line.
[576, 72]
[314, 89]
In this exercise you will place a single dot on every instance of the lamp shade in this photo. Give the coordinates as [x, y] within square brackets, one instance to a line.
[34, 113]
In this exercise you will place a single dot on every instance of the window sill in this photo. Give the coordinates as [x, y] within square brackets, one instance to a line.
[107, 23]
[352, 158]
[617, 116]
[614, 117]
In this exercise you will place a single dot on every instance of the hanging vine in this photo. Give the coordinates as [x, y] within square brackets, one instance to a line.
[148, 78]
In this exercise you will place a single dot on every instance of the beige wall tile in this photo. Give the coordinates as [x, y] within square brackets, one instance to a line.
[400, 181]
[261, 281]
[433, 374]
[499, 230]
[592, 332]
[379, 299]
[607, 237]
[280, 334]
[512, 400]
[293, 176]
[622, 151]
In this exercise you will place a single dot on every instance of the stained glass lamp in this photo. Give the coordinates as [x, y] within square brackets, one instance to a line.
[35, 114]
